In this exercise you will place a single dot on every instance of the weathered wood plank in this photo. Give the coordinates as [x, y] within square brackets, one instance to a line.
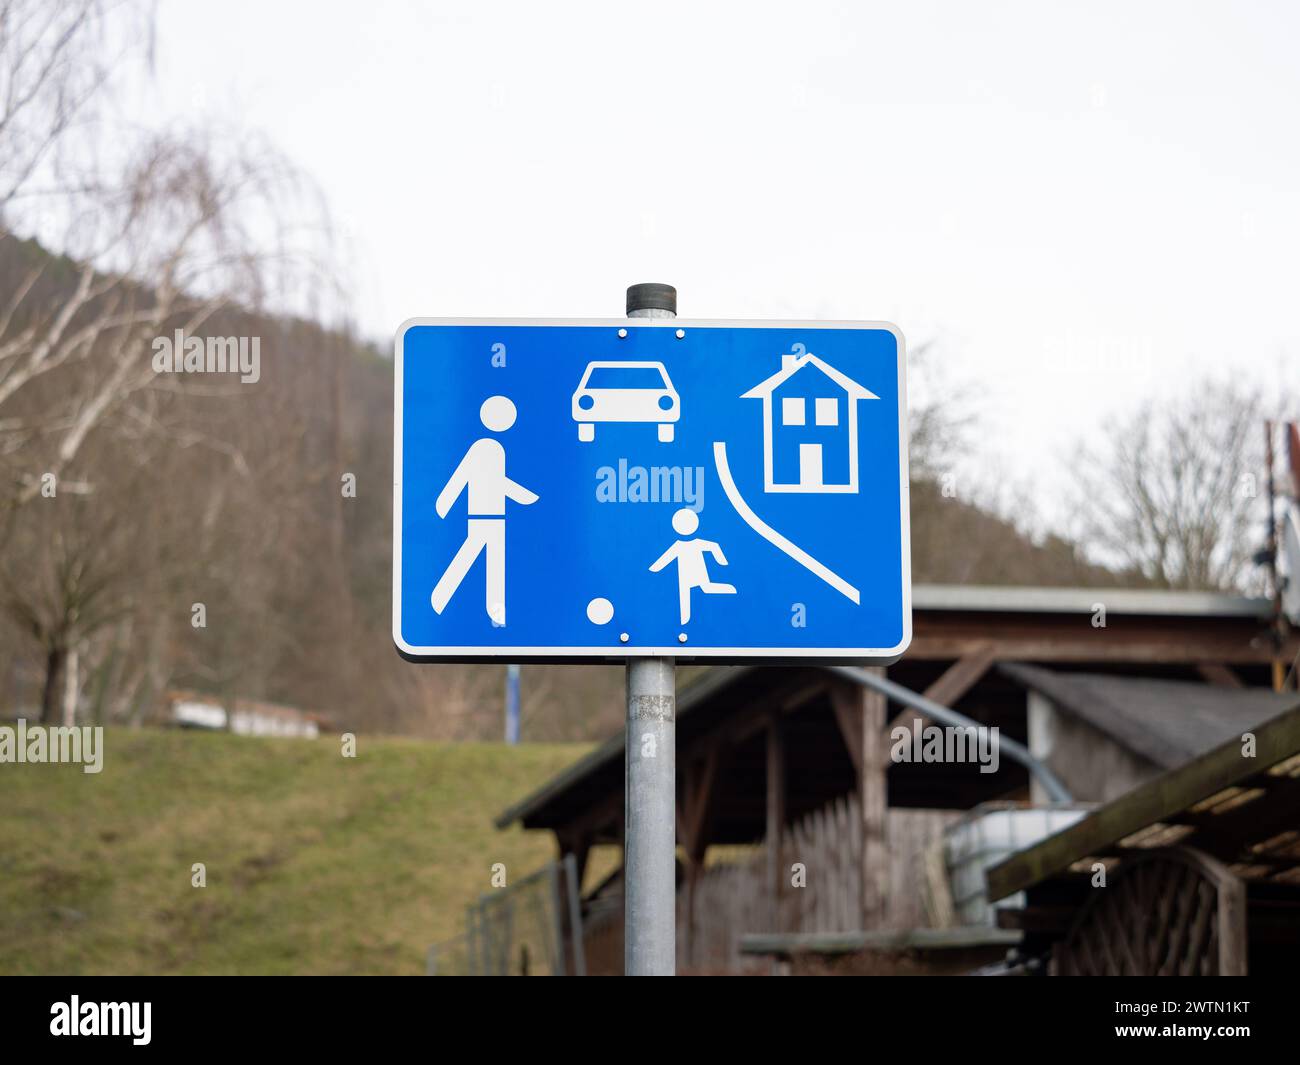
[775, 813]
[873, 796]
[1219, 674]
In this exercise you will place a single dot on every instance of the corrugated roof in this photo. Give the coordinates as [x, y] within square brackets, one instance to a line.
[1168, 722]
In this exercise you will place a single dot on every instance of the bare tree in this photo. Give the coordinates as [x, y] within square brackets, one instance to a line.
[1174, 492]
[157, 234]
[56, 59]
[448, 702]
[65, 580]
[166, 249]
[158, 231]
[941, 416]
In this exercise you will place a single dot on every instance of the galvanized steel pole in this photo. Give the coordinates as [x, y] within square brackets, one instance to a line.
[649, 810]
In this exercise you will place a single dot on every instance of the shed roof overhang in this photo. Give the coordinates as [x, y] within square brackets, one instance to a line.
[1240, 807]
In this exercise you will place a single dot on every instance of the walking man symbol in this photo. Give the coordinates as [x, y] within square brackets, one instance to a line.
[692, 570]
[483, 473]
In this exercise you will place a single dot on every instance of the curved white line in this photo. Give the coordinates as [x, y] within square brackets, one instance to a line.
[771, 535]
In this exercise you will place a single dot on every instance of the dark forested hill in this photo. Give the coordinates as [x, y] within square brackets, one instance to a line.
[268, 504]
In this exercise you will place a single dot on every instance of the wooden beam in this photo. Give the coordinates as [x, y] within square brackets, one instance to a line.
[803, 695]
[786, 700]
[956, 681]
[692, 882]
[873, 793]
[1056, 919]
[1232, 931]
[1111, 644]
[848, 715]
[1218, 674]
[693, 817]
[926, 940]
[696, 813]
[1228, 836]
[963, 675]
[579, 845]
[775, 812]
[706, 804]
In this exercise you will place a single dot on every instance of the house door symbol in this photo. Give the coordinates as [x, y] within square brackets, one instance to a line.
[810, 467]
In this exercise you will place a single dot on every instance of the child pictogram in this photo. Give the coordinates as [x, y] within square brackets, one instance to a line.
[692, 569]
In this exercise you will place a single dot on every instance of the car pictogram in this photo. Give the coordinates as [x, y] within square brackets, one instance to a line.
[626, 392]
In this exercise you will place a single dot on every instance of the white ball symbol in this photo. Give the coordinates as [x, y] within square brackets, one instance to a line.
[599, 611]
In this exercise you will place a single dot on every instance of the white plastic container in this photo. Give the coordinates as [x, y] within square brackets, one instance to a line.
[986, 836]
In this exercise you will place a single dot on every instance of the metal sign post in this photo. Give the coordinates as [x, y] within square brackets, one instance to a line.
[512, 703]
[649, 809]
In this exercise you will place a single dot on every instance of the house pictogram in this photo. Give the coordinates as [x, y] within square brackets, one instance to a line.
[810, 426]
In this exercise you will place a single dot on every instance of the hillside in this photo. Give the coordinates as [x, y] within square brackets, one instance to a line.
[276, 515]
[315, 863]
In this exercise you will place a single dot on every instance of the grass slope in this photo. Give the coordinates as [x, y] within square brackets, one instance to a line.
[315, 863]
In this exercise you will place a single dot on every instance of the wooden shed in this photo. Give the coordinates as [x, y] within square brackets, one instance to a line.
[793, 762]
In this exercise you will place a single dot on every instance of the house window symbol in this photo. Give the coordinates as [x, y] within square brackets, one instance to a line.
[810, 427]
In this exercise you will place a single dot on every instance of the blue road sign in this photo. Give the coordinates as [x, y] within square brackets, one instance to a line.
[603, 489]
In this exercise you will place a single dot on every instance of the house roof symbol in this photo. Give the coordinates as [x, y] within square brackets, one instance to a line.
[810, 479]
[792, 364]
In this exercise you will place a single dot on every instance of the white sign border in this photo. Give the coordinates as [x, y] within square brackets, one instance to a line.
[715, 655]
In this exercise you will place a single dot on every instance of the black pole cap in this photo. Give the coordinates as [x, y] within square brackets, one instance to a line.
[651, 296]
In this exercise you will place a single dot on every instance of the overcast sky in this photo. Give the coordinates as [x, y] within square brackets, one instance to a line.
[1084, 208]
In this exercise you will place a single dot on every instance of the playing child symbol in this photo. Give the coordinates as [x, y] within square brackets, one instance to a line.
[692, 570]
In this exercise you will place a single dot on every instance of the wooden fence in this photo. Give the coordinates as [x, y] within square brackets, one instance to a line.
[819, 885]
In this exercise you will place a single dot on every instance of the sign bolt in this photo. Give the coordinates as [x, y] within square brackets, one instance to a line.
[622, 333]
